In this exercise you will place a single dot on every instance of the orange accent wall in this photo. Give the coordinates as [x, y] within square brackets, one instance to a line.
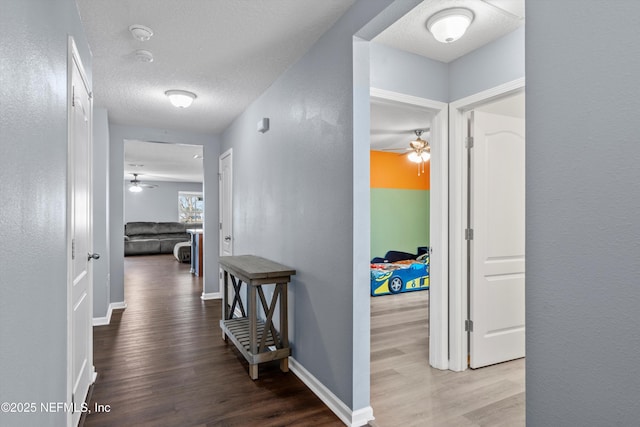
[390, 170]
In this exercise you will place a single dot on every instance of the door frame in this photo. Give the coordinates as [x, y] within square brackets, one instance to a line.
[458, 167]
[439, 233]
[73, 57]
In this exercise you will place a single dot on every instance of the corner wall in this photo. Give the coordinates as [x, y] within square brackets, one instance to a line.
[294, 200]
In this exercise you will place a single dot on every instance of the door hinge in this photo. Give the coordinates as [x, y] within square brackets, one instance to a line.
[220, 226]
[73, 248]
[468, 142]
[468, 234]
[219, 177]
[468, 325]
[73, 96]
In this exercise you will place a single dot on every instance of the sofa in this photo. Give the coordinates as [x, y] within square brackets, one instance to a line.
[147, 238]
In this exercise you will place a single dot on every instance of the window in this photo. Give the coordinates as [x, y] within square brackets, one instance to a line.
[190, 207]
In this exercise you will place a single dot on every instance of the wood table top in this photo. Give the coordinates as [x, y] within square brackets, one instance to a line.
[255, 267]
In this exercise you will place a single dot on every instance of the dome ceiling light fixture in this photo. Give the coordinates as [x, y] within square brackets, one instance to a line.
[140, 32]
[449, 25]
[180, 98]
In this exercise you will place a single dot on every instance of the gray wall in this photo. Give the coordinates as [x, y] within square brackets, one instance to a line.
[294, 200]
[498, 62]
[33, 173]
[582, 213]
[211, 149]
[407, 73]
[100, 212]
[156, 204]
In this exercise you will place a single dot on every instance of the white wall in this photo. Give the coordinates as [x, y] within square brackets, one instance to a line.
[158, 204]
[583, 235]
[33, 173]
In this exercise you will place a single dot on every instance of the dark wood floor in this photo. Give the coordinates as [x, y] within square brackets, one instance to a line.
[162, 362]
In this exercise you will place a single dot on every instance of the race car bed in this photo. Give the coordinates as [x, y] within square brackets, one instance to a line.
[399, 276]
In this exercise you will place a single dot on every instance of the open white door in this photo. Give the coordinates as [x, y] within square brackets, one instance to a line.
[497, 248]
[225, 202]
[80, 229]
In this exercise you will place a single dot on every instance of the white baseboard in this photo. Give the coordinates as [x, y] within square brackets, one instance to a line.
[212, 295]
[351, 418]
[102, 321]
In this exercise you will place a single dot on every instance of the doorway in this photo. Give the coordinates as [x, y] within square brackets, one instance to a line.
[504, 294]
[436, 114]
[163, 189]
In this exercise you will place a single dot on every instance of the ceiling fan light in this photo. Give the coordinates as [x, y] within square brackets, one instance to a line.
[425, 156]
[180, 98]
[135, 188]
[414, 157]
[449, 25]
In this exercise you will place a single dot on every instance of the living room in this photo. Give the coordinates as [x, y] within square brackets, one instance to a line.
[163, 198]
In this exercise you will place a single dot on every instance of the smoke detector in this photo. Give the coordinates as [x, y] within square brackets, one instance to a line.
[143, 55]
[140, 32]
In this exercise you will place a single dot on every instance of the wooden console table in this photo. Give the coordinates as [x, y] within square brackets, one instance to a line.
[257, 340]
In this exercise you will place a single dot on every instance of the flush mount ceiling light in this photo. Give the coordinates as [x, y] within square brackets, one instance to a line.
[449, 25]
[180, 98]
[141, 32]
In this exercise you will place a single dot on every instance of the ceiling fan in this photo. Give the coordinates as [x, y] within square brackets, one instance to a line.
[137, 186]
[419, 150]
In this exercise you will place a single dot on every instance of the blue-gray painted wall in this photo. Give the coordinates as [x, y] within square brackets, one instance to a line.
[158, 204]
[101, 288]
[33, 173]
[294, 200]
[408, 73]
[489, 66]
[583, 235]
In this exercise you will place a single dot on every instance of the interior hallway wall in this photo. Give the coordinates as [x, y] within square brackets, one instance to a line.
[583, 63]
[33, 221]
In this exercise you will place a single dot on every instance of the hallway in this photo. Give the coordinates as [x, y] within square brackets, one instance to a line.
[162, 362]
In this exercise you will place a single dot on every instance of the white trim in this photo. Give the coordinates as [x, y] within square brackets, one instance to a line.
[439, 225]
[102, 321]
[351, 418]
[457, 216]
[210, 296]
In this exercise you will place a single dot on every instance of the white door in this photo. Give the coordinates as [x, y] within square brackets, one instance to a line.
[226, 206]
[497, 258]
[80, 229]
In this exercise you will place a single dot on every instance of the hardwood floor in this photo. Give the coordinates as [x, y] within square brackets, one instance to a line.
[405, 391]
[162, 362]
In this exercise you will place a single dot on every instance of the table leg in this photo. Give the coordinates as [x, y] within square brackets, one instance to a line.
[225, 301]
[284, 325]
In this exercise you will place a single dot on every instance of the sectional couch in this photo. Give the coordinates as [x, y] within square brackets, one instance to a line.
[146, 238]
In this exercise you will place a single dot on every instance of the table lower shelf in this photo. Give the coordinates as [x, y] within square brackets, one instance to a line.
[238, 332]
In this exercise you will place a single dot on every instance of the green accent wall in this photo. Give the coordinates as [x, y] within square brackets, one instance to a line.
[399, 220]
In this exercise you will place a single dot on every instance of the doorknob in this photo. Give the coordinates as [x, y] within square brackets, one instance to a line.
[93, 256]
[227, 238]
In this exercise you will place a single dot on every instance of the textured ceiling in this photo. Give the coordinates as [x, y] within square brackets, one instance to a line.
[226, 51]
[229, 51]
[393, 124]
[492, 19]
[156, 161]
